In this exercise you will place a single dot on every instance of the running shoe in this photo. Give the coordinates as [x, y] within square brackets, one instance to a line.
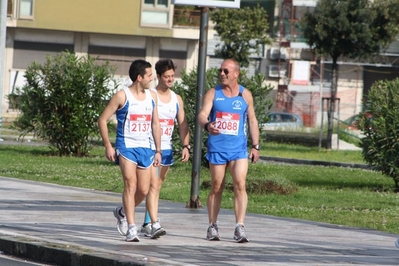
[213, 233]
[131, 235]
[239, 234]
[157, 230]
[146, 230]
[121, 223]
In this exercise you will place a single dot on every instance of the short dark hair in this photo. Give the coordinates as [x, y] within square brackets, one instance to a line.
[138, 67]
[164, 65]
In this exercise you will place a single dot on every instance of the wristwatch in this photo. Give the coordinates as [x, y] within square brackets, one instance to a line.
[256, 147]
[188, 147]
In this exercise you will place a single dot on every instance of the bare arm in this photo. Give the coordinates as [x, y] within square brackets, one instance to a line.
[156, 130]
[205, 111]
[252, 125]
[114, 104]
[183, 129]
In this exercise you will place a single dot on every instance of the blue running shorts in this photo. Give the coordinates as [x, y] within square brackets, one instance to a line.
[225, 157]
[143, 157]
[167, 158]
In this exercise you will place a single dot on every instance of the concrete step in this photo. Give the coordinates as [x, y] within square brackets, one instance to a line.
[6, 119]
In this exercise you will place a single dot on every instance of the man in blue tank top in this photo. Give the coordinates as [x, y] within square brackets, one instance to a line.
[138, 130]
[227, 111]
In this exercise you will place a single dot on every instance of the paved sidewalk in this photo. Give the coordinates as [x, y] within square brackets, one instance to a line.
[342, 145]
[72, 226]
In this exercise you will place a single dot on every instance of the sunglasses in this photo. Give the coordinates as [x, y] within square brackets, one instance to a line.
[225, 70]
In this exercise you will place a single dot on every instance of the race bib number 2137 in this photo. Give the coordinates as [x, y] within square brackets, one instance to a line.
[140, 125]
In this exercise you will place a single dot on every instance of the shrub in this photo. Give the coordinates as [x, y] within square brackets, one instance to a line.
[62, 101]
[267, 185]
[380, 146]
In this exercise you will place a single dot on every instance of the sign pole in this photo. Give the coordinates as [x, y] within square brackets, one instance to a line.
[3, 28]
[194, 201]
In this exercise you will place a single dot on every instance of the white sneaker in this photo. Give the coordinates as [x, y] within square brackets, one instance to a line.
[212, 234]
[240, 235]
[131, 235]
[121, 223]
[157, 230]
[146, 230]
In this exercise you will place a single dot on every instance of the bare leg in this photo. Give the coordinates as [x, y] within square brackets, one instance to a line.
[136, 186]
[128, 170]
[215, 194]
[155, 188]
[143, 184]
[238, 170]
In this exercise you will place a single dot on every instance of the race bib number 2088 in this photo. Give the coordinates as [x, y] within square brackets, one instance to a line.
[227, 123]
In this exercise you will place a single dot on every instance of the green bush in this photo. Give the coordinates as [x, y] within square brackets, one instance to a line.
[187, 89]
[62, 101]
[266, 185]
[380, 146]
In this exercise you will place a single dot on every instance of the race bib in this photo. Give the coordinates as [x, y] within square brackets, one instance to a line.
[227, 123]
[140, 125]
[167, 125]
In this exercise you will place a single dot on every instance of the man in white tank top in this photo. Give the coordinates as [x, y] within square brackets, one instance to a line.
[138, 130]
[170, 108]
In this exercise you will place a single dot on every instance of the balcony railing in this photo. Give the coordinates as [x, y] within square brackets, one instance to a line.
[10, 8]
[186, 18]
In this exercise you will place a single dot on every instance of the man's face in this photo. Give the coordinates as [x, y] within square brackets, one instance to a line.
[228, 72]
[147, 79]
[167, 79]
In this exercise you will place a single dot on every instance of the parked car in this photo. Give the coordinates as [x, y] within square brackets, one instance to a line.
[352, 122]
[281, 120]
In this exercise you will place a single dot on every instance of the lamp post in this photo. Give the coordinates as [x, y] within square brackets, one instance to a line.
[194, 201]
[3, 28]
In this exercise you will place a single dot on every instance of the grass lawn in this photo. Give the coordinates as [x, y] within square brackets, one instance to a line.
[343, 196]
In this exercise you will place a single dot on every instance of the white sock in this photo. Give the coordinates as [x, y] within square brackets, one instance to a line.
[132, 225]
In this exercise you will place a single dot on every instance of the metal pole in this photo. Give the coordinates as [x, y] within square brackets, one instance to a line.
[321, 99]
[201, 74]
[3, 28]
[322, 122]
[339, 120]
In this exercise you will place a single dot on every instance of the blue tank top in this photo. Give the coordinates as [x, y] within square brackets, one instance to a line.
[230, 115]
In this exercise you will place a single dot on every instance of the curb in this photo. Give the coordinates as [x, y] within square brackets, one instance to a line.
[61, 254]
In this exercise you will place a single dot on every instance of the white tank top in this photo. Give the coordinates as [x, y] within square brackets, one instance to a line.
[167, 113]
[134, 122]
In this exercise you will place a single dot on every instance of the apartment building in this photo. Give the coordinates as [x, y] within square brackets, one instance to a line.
[119, 31]
[125, 30]
[303, 81]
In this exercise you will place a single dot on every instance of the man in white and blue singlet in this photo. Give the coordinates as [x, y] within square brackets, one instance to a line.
[138, 130]
[230, 109]
[170, 108]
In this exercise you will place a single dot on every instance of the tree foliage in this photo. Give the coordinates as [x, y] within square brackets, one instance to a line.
[62, 101]
[354, 29]
[242, 31]
[187, 89]
[380, 145]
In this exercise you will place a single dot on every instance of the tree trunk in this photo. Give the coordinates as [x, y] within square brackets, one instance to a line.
[331, 103]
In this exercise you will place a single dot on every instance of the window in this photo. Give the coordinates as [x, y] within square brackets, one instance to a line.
[179, 59]
[26, 8]
[155, 13]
